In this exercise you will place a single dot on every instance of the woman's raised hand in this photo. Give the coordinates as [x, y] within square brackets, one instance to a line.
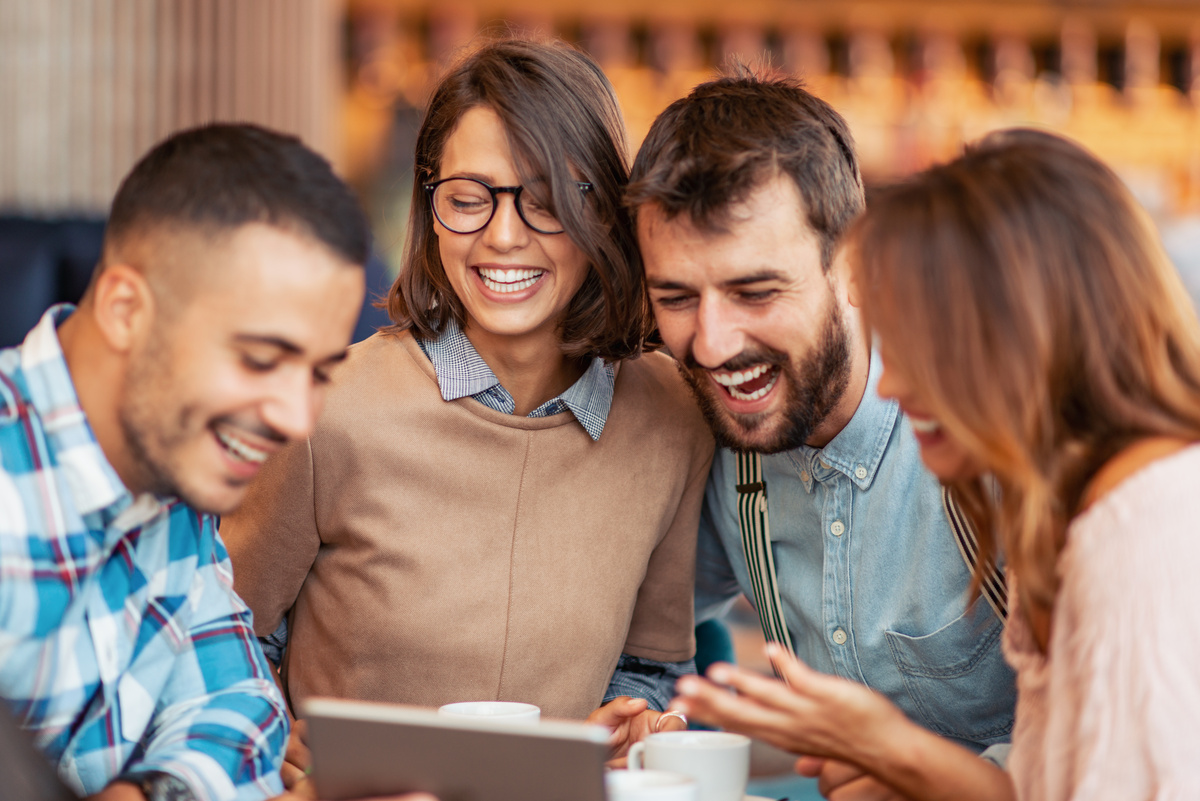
[812, 714]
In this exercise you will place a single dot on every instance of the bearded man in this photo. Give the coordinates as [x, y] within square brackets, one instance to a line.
[742, 191]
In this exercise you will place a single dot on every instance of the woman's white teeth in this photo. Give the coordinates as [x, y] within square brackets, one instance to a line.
[925, 425]
[731, 382]
[240, 449]
[504, 281]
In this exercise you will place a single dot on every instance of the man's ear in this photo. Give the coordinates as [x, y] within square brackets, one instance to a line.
[123, 306]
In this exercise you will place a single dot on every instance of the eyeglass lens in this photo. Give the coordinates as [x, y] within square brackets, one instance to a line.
[465, 205]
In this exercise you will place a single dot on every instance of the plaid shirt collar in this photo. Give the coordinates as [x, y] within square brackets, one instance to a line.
[94, 484]
[462, 372]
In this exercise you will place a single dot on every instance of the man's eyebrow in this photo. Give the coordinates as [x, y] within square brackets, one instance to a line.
[756, 278]
[266, 339]
[287, 346]
[658, 283]
[742, 280]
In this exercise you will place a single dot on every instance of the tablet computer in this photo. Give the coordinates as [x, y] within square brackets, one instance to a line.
[366, 749]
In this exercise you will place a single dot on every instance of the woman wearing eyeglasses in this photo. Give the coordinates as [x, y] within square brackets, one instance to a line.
[501, 498]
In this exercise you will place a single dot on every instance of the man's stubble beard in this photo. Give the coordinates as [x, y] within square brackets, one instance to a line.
[152, 437]
[813, 388]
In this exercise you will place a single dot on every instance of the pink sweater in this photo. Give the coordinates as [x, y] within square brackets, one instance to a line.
[1114, 711]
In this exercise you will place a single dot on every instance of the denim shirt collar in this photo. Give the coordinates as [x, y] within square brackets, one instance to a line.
[858, 448]
[462, 373]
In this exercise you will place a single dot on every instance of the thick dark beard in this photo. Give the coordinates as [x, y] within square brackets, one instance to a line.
[814, 388]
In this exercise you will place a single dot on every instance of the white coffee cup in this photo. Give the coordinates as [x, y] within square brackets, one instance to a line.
[718, 761]
[649, 785]
[497, 711]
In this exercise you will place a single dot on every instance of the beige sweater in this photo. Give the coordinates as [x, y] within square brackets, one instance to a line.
[431, 551]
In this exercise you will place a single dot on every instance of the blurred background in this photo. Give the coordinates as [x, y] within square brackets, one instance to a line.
[87, 86]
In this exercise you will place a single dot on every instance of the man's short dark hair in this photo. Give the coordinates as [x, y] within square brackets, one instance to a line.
[711, 149]
[222, 176]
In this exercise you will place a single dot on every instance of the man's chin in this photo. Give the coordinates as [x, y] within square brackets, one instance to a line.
[761, 432]
[768, 431]
[762, 435]
[217, 500]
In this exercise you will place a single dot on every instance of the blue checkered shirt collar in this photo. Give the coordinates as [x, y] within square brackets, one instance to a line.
[94, 484]
[462, 373]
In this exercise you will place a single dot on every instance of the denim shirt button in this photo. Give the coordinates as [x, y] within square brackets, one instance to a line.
[860, 472]
[839, 637]
[837, 529]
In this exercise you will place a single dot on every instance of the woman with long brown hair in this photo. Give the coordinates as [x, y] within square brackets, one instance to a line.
[501, 498]
[1048, 357]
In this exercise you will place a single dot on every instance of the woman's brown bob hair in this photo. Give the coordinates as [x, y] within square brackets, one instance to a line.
[564, 125]
[1025, 294]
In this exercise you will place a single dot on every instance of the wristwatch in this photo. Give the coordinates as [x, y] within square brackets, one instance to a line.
[165, 787]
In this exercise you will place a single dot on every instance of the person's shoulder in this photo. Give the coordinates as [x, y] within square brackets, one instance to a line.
[1140, 533]
[654, 383]
[1157, 484]
[383, 363]
[380, 346]
[654, 374]
[653, 405]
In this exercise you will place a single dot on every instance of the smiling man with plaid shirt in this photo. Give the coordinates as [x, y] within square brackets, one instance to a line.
[228, 288]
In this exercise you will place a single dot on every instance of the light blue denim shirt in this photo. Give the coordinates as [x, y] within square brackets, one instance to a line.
[873, 586]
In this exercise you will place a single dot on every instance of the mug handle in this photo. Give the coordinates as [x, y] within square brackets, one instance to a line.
[636, 752]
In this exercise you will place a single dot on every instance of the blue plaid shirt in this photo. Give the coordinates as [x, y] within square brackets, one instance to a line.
[123, 648]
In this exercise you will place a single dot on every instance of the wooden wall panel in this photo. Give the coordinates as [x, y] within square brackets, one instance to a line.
[87, 86]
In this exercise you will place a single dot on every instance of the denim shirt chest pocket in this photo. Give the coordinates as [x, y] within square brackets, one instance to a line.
[957, 678]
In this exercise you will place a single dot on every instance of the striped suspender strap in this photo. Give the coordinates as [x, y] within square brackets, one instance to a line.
[992, 585]
[756, 542]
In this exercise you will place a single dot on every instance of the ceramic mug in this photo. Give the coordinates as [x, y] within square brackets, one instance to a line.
[718, 761]
[649, 785]
[498, 711]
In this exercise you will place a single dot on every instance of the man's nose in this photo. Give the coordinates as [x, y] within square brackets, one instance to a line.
[719, 337]
[292, 410]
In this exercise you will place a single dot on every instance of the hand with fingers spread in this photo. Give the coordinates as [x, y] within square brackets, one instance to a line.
[630, 721]
[857, 743]
[812, 714]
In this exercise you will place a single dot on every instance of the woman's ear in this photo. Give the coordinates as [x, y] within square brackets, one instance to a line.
[846, 274]
[853, 292]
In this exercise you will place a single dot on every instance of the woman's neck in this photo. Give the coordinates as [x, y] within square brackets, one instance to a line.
[531, 367]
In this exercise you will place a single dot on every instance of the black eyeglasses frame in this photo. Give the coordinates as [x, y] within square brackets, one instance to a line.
[495, 191]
